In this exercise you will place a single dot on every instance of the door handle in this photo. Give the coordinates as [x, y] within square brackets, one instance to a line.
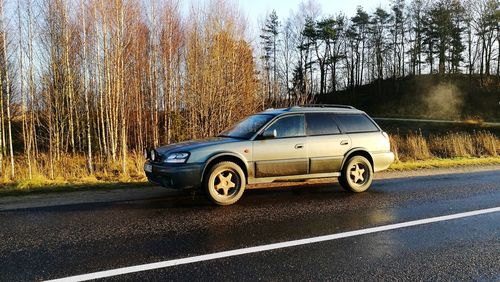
[299, 146]
[344, 142]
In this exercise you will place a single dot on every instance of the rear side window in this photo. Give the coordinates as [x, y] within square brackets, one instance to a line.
[356, 123]
[321, 124]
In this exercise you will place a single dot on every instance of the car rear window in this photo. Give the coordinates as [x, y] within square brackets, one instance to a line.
[356, 123]
[321, 124]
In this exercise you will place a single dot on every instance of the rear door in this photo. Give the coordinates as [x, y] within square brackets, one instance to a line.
[326, 144]
[286, 154]
[364, 133]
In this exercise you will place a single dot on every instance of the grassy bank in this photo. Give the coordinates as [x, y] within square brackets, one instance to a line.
[456, 97]
[415, 146]
[73, 170]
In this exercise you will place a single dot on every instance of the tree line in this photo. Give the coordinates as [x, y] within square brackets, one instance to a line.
[106, 78]
[312, 53]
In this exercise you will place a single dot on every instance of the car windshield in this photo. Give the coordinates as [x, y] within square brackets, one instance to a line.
[247, 127]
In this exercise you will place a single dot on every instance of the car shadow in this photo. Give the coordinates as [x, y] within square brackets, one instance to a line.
[290, 193]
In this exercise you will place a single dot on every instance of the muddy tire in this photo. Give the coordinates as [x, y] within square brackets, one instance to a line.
[224, 183]
[357, 174]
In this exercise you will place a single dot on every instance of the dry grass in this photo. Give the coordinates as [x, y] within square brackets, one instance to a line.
[415, 146]
[71, 170]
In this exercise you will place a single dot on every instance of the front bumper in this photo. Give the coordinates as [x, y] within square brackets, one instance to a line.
[178, 176]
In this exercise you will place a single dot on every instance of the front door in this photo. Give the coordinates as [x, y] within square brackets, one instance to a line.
[286, 153]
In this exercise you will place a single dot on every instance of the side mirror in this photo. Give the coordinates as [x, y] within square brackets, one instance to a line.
[269, 134]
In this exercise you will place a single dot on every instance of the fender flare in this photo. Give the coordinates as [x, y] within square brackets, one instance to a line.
[354, 151]
[224, 154]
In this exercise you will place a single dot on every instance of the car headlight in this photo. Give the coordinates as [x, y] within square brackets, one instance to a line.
[177, 158]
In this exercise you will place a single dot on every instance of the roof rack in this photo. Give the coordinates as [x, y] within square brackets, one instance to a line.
[328, 106]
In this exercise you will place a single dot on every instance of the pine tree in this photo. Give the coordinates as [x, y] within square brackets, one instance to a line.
[269, 37]
[444, 34]
[379, 27]
[360, 24]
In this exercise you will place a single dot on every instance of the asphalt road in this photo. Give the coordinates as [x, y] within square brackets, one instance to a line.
[61, 241]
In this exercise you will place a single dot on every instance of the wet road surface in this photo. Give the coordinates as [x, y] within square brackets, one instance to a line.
[57, 242]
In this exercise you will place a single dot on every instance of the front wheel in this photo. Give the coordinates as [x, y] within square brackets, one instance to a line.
[225, 183]
[357, 174]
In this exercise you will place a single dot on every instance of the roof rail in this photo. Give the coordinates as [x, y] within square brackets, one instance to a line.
[328, 106]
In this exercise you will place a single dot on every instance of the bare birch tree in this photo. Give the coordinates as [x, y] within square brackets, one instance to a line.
[7, 89]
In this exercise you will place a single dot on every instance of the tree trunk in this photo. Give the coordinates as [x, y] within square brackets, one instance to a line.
[8, 94]
[85, 90]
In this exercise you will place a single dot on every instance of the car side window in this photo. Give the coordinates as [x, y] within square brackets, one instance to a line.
[292, 126]
[356, 123]
[321, 124]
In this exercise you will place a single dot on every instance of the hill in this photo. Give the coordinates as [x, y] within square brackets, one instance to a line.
[426, 96]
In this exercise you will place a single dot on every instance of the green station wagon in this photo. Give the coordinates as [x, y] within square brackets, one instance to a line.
[312, 141]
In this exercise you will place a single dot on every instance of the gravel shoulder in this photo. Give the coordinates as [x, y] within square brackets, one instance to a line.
[142, 193]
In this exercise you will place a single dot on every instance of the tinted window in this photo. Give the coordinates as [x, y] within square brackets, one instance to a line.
[288, 126]
[248, 127]
[321, 124]
[357, 123]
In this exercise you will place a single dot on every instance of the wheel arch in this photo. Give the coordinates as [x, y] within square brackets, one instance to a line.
[222, 157]
[358, 152]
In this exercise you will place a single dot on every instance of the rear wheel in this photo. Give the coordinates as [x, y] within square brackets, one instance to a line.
[225, 183]
[357, 174]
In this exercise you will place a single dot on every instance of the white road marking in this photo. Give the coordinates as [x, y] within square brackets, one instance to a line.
[262, 248]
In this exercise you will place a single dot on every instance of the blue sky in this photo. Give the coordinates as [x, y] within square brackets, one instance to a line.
[256, 10]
